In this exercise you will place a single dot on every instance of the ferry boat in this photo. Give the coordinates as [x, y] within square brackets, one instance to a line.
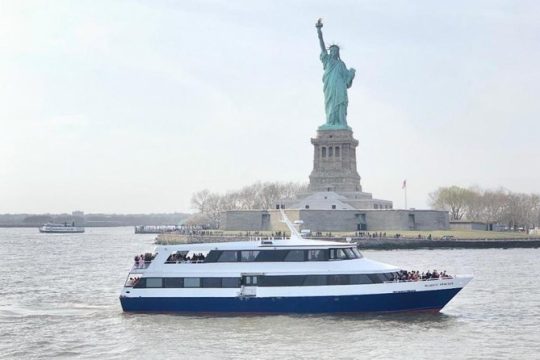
[294, 275]
[61, 228]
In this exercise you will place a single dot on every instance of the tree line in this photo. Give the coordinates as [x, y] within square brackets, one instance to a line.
[514, 210]
[260, 195]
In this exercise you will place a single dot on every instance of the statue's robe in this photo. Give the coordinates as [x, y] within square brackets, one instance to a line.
[337, 79]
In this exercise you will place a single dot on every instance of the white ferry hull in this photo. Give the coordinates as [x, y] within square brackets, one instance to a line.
[389, 297]
[414, 301]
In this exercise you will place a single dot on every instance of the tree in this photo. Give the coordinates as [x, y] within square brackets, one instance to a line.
[515, 210]
[199, 200]
[454, 199]
[255, 196]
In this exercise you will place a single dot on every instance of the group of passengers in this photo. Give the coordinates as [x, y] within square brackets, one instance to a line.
[139, 262]
[415, 275]
[133, 281]
[143, 260]
[184, 257]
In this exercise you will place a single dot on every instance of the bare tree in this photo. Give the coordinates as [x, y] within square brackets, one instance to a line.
[453, 199]
[255, 196]
[199, 200]
[515, 210]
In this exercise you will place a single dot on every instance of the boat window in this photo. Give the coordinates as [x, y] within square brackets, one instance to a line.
[358, 253]
[340, 254]
[317, 255]
[350, 253]
[337, 254]
[315, 280]
[194, 282]
[250, 280]
[213, 256]
[230, 282]
[375, 278]
[248, 255]
[357, 279]
[288, 280]
[211, 282]
[338, 279]
[141, 283]
[173, 282]
[228, 256]
[295, 255]
[271, 256]
[154, 282]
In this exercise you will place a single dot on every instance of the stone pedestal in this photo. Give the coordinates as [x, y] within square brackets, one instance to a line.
[334, 162]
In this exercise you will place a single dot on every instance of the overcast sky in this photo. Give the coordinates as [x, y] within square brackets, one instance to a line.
[131, 106]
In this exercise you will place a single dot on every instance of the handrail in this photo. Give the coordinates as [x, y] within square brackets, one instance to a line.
[294, 232]
[184, 262]
[430, 279]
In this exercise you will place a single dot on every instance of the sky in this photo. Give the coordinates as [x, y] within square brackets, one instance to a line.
[132, 106]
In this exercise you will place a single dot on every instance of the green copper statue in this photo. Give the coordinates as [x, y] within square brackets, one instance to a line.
[337, 79]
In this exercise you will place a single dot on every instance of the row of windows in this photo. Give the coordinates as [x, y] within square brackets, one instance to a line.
[321, 280]
[331, 151]
[261, 280]
[188, 282]
[282, 255]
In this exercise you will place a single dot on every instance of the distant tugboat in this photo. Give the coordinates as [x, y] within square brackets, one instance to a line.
[64, 228]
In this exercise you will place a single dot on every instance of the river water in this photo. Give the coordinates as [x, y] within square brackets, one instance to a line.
[59, 298]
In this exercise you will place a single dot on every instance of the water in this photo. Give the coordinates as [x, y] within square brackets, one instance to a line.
[59, 298]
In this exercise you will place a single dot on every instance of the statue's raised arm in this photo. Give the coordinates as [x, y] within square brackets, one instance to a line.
[319, 26]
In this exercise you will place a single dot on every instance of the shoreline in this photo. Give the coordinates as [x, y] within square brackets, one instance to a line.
[414, 244]
[373, 243]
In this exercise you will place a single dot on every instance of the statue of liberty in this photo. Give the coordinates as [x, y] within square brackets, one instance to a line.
[337, 79]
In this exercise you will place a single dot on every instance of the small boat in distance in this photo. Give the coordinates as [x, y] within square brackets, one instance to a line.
[292, 275]
[64, 228]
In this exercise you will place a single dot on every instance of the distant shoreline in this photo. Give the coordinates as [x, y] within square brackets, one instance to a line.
[412, 244]
[377, 243]
[38, 226]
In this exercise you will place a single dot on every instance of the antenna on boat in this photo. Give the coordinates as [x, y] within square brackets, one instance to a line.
[295, 235]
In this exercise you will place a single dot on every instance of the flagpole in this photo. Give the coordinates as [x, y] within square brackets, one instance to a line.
[405, 196]
[404, 187]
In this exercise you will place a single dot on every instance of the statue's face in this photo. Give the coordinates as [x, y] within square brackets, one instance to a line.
[334, 51]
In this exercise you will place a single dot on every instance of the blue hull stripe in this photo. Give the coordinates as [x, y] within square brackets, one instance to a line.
[408, 301]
